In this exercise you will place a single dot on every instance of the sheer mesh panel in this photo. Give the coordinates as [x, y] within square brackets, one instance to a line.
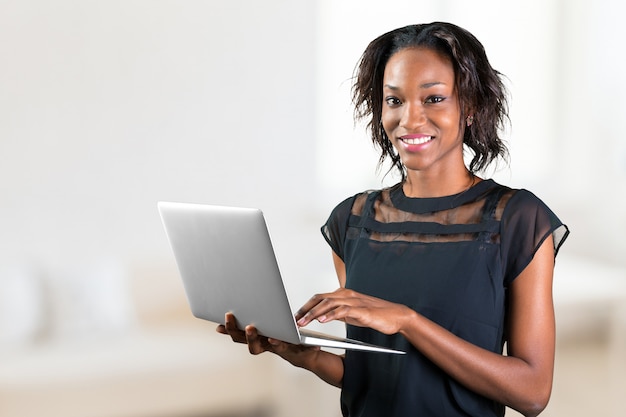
[467, 222]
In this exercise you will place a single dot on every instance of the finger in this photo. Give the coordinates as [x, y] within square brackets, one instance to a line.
[278, 346]
[346, 313]
[344, 305]
[256, 344]
[320, 303]
[322, 310]
[310, 304]
[231, 329]
[274, 342]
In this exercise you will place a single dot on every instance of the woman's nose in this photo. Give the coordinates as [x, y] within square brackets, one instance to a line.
[413, 116]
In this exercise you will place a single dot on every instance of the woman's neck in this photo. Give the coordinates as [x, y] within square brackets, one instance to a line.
[423, 185]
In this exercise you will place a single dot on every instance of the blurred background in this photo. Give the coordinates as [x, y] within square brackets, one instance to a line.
[107, 107]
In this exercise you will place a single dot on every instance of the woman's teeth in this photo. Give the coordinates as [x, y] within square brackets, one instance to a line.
[416, 141]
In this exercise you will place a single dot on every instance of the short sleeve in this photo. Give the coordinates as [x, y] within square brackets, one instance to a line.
[526, 223]
[334, 230]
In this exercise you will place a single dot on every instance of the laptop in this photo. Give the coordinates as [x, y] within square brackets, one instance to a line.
[227, 264]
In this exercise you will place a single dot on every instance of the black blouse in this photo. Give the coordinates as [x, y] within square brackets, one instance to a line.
[450, 259]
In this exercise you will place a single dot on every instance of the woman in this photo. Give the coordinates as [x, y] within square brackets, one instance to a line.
[444, 265]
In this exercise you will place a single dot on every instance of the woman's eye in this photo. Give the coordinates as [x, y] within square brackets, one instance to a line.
[435, 99]
[393, 101]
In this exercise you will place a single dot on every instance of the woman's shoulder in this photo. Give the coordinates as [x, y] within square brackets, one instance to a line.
[520, 200]
[510, 198]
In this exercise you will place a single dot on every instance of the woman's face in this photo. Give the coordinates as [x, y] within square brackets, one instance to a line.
[421, 112]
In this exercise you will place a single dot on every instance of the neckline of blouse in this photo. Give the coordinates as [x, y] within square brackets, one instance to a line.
[432, 204]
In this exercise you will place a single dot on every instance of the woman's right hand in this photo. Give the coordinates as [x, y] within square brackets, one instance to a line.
[297, 355]
[326, 365]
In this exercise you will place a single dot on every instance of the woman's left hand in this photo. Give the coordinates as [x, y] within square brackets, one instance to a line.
[356, 309]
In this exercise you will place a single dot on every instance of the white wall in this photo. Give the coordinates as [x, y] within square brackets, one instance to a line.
[107, 107]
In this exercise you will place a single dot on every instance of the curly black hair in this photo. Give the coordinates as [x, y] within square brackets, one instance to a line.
[480, 89]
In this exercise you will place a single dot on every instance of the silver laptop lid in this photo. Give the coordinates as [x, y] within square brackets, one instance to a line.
[227, 264]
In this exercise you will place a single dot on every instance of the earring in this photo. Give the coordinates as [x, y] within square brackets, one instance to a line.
[469, 120]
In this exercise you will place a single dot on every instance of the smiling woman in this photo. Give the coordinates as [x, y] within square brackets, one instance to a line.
[445, 266]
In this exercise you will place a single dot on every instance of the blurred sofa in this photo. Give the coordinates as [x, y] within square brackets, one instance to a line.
[106, 341]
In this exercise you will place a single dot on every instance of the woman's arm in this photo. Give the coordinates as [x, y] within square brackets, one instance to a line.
[522, 380]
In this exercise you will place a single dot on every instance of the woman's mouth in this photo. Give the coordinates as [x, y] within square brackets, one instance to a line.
[415, 139]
